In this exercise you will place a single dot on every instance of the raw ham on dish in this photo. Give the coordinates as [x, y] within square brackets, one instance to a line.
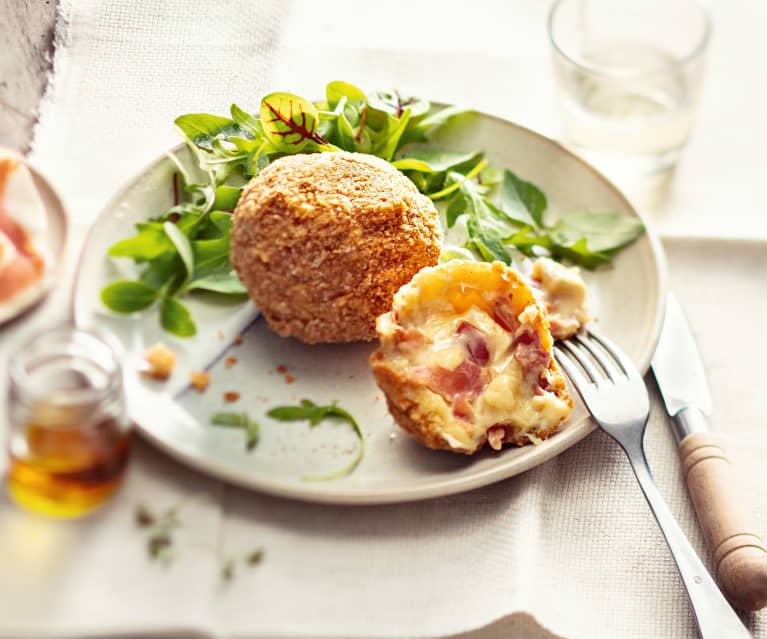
[22, 221]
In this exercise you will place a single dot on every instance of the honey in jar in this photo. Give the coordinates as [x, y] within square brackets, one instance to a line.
[69, 435]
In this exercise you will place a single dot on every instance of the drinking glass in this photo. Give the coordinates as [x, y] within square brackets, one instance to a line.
[69, 436]
[628, 74]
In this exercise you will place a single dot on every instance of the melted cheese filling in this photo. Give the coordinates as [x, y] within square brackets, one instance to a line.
[510, 397]
[564, 296]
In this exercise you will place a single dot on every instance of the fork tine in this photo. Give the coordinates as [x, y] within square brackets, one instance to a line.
[628, 366]
[573, 372]
[575, 351]
[609, 366]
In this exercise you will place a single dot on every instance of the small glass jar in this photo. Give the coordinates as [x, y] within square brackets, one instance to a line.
[69, 435]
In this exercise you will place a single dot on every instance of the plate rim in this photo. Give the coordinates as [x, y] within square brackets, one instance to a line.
[451, 485]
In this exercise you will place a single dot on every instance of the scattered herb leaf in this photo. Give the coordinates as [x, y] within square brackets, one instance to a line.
[314, 414]
[255, 557]
[143, 516]
[239, 420]
[227, 570]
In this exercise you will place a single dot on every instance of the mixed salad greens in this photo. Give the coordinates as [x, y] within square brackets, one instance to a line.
[185, 249]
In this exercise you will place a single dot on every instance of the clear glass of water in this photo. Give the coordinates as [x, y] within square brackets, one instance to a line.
[629, 76]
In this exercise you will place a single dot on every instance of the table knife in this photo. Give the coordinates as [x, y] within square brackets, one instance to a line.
[739, 554]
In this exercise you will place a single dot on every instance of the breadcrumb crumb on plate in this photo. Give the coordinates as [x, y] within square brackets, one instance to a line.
[200, 380]
[160, 361]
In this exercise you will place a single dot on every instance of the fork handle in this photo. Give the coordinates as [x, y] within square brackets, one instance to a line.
[739, 555]
[715, 618]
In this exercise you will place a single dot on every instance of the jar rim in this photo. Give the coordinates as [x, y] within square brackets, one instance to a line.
[105, 350]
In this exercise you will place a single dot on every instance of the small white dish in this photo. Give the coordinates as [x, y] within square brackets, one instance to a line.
[49, 235]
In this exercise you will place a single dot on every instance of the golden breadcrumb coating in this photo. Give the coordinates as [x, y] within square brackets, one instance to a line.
[323, 241]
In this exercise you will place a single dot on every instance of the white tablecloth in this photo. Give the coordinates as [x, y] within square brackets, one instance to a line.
[569, 546]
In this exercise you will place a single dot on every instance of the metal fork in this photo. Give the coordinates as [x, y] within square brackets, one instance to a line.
[614, 392]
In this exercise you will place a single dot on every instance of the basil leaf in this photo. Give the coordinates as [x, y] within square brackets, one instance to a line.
[226, 283]
[127, 296]
[150, 242]
[289, 122]
[522, 200]
[175, 318]
[604, 231]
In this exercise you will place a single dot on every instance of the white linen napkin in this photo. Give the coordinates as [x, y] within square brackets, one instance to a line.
[569, 546]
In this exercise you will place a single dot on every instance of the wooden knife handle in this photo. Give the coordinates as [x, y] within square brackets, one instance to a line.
[739, 555]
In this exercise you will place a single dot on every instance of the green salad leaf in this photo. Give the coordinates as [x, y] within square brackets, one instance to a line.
[128, 297]
[522, 200]
[185, 251]
[149, 243]
[203, 129]
[603, 231]
[176, 318]
[289, 122]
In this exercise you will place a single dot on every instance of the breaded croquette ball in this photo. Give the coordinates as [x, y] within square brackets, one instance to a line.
[323, 241]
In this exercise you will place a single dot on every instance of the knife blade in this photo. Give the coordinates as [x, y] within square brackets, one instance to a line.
[738, 553]
[679, 371]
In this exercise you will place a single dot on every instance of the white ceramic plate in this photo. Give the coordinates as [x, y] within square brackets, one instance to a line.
[627, 299]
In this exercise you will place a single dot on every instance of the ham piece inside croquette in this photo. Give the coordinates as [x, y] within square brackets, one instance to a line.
[323, 241]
